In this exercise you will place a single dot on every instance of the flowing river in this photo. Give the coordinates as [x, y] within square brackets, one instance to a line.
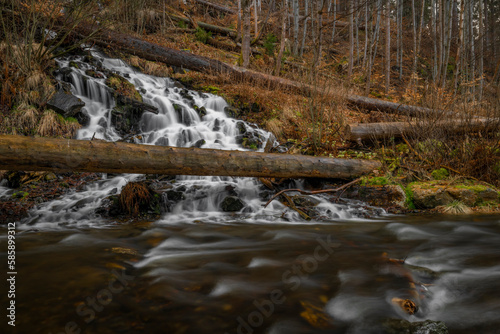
[200, 270]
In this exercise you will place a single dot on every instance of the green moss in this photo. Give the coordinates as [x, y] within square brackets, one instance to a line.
[20, 194]
[123, 87]
[211, 89]
[375, 181]
[440, 174]
[475, 187]
[71, 120]
[409, 198]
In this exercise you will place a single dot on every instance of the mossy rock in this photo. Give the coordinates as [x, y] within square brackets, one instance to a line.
[123, 87]
[428, 195]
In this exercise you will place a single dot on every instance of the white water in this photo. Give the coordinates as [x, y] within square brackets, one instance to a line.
[184, 128]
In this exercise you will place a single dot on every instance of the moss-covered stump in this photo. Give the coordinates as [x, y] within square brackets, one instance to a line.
[429, 195]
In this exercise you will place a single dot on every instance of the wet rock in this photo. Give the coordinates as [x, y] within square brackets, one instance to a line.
[305, 201]
[400, 326]
[183, 115]
[94, 74]
[174, 195]
[425, 197]
[199, 143]
[232, 204]
[189, 99]
[122, 87]
[65, 104]
[231, 112]
[163, 141]
[102, 122]
[126, 116]
[378, 195]
[488, 195]
[216, 125]
[431, 195]
[202, 111]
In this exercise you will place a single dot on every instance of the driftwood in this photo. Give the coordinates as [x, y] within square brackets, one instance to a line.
[373, 131]
[217, 7]
[47, 154]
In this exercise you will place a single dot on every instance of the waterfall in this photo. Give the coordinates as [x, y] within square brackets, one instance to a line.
[185, 118]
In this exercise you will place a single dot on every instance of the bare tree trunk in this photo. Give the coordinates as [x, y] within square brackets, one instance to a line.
[245, 44]
[387, 47]
[295, 27]
[351, 39]
[367, 31]
[434, 39]
[283, 37]
[304, 33]
[414, 21]
[334, 19]
[422, 12]
[472, 50]
[238, 37]
[256, 18]
[460, 44]
[481, 48]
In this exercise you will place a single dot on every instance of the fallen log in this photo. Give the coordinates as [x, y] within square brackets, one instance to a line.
[390, 107]
[48, 154]
[206, 26]
[385, 130]
[217, 7]
[186, 60]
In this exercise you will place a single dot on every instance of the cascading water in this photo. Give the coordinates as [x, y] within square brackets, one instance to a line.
[184, 118]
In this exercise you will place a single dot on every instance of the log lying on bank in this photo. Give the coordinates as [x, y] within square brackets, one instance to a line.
[206, 26]
[216, 6]
[186, 60]
[47, 154]
[390, 107]
[386, 130]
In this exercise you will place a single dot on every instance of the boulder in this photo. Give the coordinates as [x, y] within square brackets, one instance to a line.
[126, 116]
[428, 197]
[386, 196]
[232, 204]
[65, 104]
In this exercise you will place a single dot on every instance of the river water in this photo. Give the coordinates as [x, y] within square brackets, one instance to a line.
[260, 277]
[259, 270]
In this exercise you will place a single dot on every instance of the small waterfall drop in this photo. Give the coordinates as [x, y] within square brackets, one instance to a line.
[185, 118]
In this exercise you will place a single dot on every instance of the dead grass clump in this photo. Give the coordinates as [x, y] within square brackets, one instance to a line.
[157, 69]
[28, 117]
[50, 125]
[135, 196]
[275, 126]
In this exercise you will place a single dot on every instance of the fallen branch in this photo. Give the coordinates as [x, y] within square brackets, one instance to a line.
[315, 192]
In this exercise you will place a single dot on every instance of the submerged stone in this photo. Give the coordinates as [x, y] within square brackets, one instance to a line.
[401, 326]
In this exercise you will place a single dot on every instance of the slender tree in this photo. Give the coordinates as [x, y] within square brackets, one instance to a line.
[387, 46]
[245, 44]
